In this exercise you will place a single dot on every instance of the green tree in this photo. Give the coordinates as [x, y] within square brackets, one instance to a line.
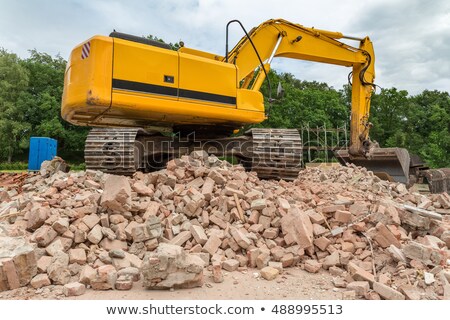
[175, 46]
[388, 115]
[418, 123]
[14, 127]
[46, 83]
[304, 102]
[428, 127]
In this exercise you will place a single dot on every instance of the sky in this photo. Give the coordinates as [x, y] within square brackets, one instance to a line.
[411, 37]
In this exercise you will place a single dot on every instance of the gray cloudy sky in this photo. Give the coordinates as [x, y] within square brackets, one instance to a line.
[411, 37]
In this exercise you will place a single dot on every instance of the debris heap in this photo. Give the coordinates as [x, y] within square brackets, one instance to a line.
[376, 238]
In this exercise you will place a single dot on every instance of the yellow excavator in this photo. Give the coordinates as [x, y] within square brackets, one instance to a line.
[149, 103]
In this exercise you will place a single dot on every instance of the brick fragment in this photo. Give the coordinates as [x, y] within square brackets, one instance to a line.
[212, 244]
[74, 289]
[240, 238]
[269, 273]
[322, 243]
[312, 266]
[384, 237]
[77, 256]
[230, 265]
[258, 204]
[124, 282]
[181, 238]
[359, 274]
[297, 226]
[39, 281]
[217, 272]
[360, 287]
[387, 292]
[343, 216]
[333, 208]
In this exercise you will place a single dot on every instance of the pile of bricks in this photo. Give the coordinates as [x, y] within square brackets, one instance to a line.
[90, 229]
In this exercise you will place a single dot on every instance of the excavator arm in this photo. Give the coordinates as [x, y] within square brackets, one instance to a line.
[280, 38]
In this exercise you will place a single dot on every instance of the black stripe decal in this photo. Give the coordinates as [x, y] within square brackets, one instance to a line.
[169, 91]
[144, 87]
[197, 95]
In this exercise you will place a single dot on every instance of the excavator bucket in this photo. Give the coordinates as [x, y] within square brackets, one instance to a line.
[387, 163]
[438, 180]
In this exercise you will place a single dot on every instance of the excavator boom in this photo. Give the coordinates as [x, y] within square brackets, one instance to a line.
[280, 38]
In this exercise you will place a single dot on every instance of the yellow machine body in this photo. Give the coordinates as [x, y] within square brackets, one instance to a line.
[124, 83]
[130, 84]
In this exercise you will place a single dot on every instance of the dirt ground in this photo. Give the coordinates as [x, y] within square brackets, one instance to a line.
[292, 284]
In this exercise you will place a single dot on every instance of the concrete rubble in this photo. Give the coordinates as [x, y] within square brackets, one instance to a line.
[169, 266]
[17, 263]
[202, 217]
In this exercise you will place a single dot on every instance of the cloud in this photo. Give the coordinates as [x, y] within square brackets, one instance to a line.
[411, 37]
[411, 41]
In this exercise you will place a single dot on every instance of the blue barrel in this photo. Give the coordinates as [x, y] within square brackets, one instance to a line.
[41, 149]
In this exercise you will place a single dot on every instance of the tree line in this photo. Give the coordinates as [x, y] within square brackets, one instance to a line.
[30, 103]
[31, 90]
[419, 123]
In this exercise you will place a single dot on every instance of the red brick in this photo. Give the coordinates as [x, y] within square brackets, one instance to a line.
[240, 238]
[297, 226]
[315, 217]
[331, 260]
[252, 255]
[269, 273]
[348, 247]
[230, 265]
[217, 272]
[333, 208]
[312, 266]
[212, 244]
[11, 274]
[360, 287]
[270, 233]
[39, 281]
[199, 234]
[359, 274]
[287, 260]
[343, 216]
[181, 238]
[384, 237]
[322, 243]
[387, 292]
[262, 260]
[74, 289]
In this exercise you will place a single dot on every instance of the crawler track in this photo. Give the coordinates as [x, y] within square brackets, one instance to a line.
[272, 153]
[111, 150]
[277, 153]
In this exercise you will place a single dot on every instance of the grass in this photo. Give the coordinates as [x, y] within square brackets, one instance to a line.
[13, 166]
[17, 167]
